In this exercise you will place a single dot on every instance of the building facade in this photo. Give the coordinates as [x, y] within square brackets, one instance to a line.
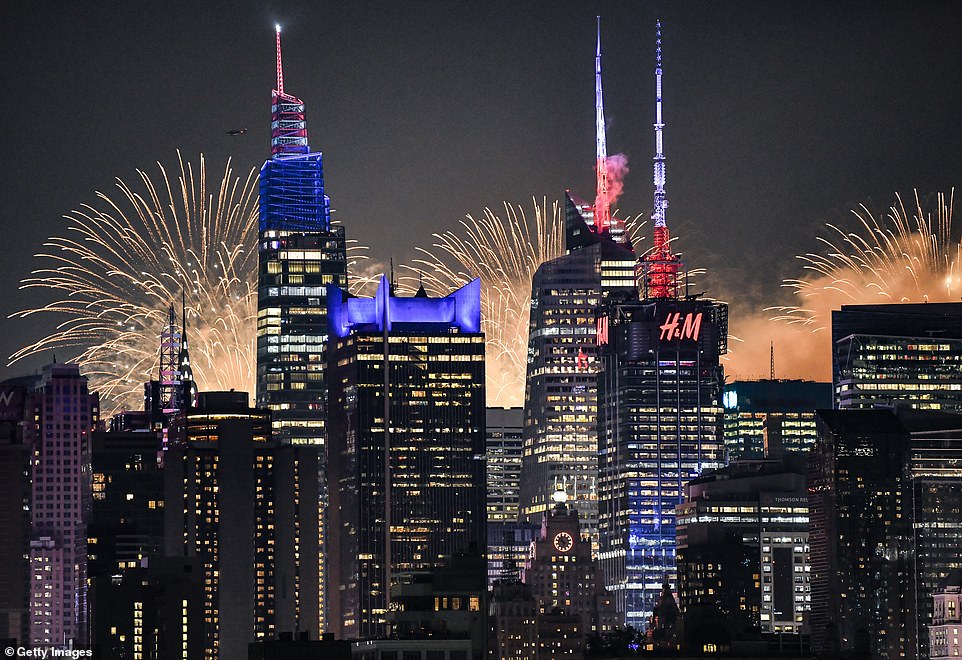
[407, 446]
[659, 426]
[743, 545]
[862, 572]
[766, 418]
[898, 354]
[508, 538]
[944, 639]
[66, 414]
[560, 412]
[560, 443]
[246, 507]
[17, 436]
[300, 253]
[126, 532]
[563, 576]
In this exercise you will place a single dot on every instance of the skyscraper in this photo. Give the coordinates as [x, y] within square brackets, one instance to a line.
[862, 572]
[67, 414]
[659, 411]
[765, 418]
[246, 507]
[17, 435]
[560, 411]
[406, 450]
[300, 254]
[743, 545]
[508, 538]
[899, 353]
[660, 426]
[126, 531]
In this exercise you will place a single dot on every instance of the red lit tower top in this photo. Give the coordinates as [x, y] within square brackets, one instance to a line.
[660, 267]
[288, 124]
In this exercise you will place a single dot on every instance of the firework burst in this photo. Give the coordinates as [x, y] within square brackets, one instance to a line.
[504, 251]
[118, 267]
[905, 255]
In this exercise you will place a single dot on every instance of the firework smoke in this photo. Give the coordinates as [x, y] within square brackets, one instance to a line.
[908, 254]
[617, 168]
[504, 251]
[117, 268]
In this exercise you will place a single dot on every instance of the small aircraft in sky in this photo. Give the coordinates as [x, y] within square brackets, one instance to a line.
[236, 131]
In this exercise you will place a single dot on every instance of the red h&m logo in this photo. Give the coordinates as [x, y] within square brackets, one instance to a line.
[601, 330]
[690, 329]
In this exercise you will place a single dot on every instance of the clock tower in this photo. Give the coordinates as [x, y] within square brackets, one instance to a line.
[562, 575]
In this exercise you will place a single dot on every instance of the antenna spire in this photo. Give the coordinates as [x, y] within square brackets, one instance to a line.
[771, 371]
[602, 198]
[661, 266]
[661, 198]
[280, 67]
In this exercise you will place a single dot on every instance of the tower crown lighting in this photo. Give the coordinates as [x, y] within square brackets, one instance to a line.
[660, 267]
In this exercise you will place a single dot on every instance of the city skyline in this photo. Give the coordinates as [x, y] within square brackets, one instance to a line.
[709, 105]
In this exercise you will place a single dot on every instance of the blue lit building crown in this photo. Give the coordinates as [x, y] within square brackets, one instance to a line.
[292, 194]
[460, 309]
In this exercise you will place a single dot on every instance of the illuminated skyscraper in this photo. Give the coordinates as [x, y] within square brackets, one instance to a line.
[765, 418]
[659, 427]
[659, 411]
[406, 450]
[743, 545]
[560, 411]
[508, 539]
[898, 353]
[67, 414]
[300, 254]
[246, 507]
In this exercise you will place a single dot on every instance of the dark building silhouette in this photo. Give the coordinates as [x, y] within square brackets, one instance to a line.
[447, 602]
[406, 450]
[899, 353]
[246, 507]
[885, 496]
[124, 536]
[17, 435]
[564, 578]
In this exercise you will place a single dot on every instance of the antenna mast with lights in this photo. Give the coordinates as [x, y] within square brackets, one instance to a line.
[660, 267]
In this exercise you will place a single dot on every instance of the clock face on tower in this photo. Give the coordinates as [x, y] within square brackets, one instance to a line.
[563, 541]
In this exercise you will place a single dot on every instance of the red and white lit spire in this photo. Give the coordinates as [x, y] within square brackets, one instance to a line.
[280, 67]
[288, 124]
[660, 266]
[602, 215]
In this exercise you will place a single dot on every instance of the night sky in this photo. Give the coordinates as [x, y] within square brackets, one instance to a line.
[780, 116]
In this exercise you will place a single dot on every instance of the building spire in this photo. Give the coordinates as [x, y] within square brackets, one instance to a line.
[660, 266]
[288, 123]
[280, 67]
[661, 199]
[602, 198]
